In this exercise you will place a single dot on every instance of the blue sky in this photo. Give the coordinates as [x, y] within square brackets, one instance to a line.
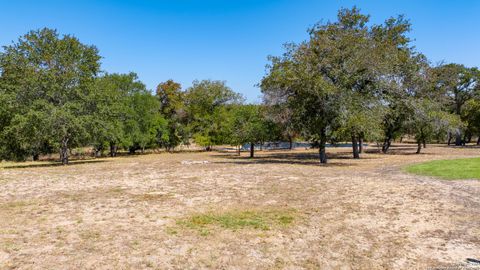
[226, 40]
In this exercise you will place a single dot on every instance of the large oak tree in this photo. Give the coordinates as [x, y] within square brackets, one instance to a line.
[48, 80]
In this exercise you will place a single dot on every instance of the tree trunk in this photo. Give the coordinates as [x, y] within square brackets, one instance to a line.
[449, 138]
[252, 149]
[386, 144]
[355, 146]
[321, 151]
[458, 137]
[64, 151]
[98, 151]
[36, 157]
[468, 138]
[239, 150]
[360, 145]
[478, 140]
[419, 147]
[424, 144]
[113, 149]
[290, 142]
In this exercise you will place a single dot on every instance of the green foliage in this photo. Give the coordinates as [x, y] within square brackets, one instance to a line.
[110, 109]
[49, 80]
[171, 98]
[172, 106]
[456, 84]
[28, 134]
[280, 121]
[468, 168]
[144, 122]
[350, 80]
[55, 100]
[335, 79]
[248, 125]
[361, 117]
[429, 121]
[404, 77]
[207, 105]
[471, 116]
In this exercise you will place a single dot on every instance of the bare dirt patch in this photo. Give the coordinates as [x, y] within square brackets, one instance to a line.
[124, 213]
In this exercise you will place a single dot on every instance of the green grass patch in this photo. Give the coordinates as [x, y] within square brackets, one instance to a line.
[467, 168]
[236, 220]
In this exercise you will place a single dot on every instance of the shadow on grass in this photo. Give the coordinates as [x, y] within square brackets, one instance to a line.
[468, 146]
[404, 150]
[286, 158]
[411, 149]
[50, 164]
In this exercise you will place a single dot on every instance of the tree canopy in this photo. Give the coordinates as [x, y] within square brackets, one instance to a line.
[208, 104]
[49, 82]
[351, 80]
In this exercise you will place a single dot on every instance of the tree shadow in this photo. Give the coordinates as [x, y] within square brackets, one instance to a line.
[404, 150]
[407, 150]
[468, 146]
[53, 164]
[287, 158]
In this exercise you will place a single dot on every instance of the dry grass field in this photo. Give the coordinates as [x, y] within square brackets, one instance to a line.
[281, 210]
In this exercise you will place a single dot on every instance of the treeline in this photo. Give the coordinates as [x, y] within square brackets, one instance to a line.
[350, 81]
[55, 97]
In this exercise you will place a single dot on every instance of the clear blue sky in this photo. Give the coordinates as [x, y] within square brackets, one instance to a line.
[228, 40]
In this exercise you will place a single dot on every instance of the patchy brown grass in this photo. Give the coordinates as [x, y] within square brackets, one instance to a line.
[281, 210]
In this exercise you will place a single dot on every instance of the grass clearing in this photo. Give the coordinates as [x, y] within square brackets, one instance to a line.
[467, 168]
[238, 219]
[266, 213]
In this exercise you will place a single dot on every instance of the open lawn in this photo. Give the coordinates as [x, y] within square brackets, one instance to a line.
[213, 210]
[466, 168]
